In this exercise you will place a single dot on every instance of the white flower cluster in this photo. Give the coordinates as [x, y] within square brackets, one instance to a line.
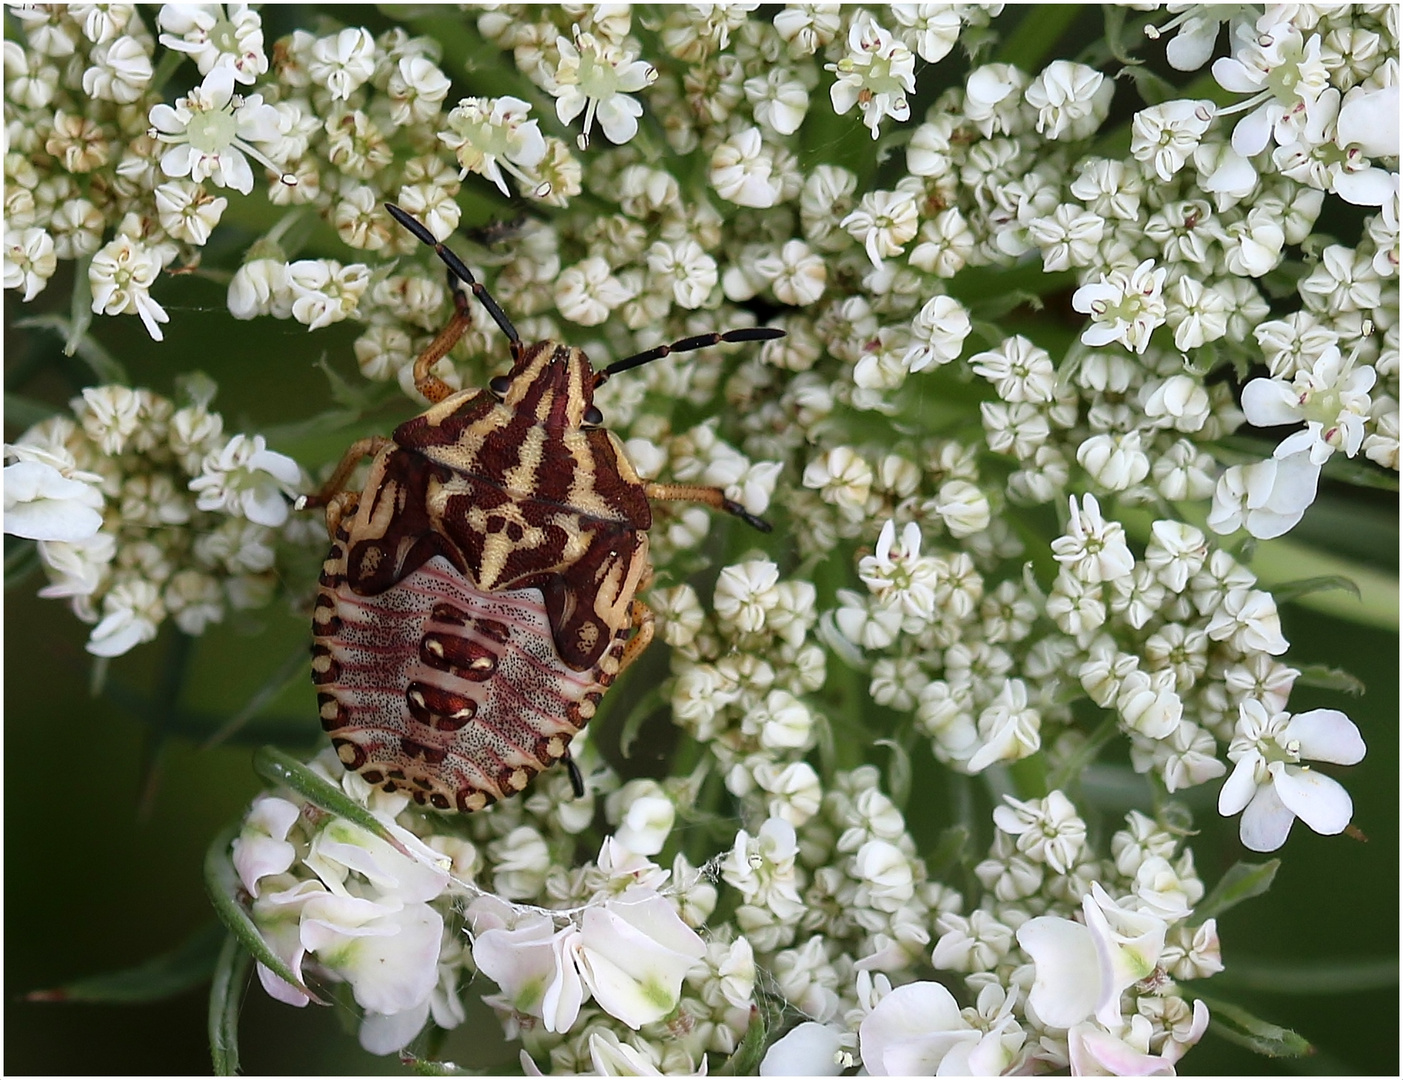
[145, 511]
[1050, 991]
[912, 440]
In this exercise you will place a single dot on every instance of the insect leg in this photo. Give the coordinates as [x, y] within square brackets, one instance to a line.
[427, 383]
[461, 272]
[577, 780]
[332, 492]
[361, 448]
[643, 623]
[712, 496]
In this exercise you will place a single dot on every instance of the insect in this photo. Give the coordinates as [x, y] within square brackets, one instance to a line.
[480, 594]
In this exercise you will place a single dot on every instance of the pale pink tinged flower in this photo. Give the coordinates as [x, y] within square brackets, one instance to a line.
[534, 964]
[342, 848]
[778, 99]
[634, 953]
[1283, 75]
[912, 1030]
[132, 612]
[1163, 137]
[209, 131]
[1268, 498]
[810, 1049]
[1272, 787]
[388, 951]
[1008, 728]
[1093, 548]
[1198, 26]
[120, 71]
[76, 570]
[260, 287]
[993, 99]
[1094, 1051]
[325, 292]
[1072, 100]
[611, 1057]
[43, 504]
[342, 62]
[30, 260]
[1368, 121]
[595, 78]
[262, 849]
[1082, 969]
[742, 170]
[588, 291]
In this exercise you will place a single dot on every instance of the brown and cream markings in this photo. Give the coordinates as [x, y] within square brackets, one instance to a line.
[480, 594]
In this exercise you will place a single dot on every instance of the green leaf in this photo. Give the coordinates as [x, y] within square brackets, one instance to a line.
[898, 772]
[159, 978]
[1311, 977]
[21, 560]
[290, 671]
[1242, 882]
[104, 365]
[1239, 1026]
[1359, 473]
[81, 309]
[224, 888]
[226, 995]
[428, 1067]
[1324, 677]
[746, 1059]
[1114, 23]
[330, 422]
[949, 851]
[358, 395]
[1153, 89]
[641, 709]
[1290, 590]
[280, 768]
[25, 412]
[1071, 769]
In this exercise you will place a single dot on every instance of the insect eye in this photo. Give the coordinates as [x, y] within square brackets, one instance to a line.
[593, 416]
[499, 385]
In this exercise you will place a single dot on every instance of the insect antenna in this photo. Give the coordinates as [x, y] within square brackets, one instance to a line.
[460, 271]
[701, 341]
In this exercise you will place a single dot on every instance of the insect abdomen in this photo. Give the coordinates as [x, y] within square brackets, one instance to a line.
[434, 687]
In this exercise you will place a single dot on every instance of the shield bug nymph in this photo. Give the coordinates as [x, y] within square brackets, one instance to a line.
[480, 594]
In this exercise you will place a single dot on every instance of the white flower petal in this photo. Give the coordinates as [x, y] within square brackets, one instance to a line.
[1326, 735]
[811, 1049]
[911, 1030]
[1314, 798]
[1266, 822]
